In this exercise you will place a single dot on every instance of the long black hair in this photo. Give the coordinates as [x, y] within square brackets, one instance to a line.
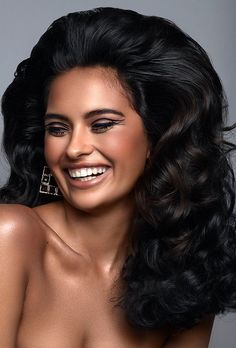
[184, 262]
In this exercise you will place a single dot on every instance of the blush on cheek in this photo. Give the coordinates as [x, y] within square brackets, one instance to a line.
[127, 149]
[128, 139]
[53, 149]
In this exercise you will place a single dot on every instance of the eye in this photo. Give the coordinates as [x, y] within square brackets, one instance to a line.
[56, 130]
[103, 125]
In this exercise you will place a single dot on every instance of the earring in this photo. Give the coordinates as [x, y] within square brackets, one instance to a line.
[48, 184]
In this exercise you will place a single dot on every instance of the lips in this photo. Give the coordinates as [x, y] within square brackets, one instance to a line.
[84, 177]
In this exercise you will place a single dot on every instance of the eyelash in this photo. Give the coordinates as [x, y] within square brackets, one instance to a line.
[55, 130]
[101, 127]
[97, 127]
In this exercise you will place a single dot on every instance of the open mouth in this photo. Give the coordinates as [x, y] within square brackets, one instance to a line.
[86, 174]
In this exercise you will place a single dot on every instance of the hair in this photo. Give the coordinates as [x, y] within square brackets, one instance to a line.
[184, 259]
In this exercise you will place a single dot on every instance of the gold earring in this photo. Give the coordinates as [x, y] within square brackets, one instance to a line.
[48, 184]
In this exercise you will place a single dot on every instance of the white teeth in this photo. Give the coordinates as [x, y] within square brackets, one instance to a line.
[85, 173]
[88, 178]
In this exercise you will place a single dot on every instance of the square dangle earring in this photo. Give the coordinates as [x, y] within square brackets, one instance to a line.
[48, 184]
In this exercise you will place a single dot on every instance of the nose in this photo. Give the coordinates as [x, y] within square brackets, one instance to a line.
[80, 144]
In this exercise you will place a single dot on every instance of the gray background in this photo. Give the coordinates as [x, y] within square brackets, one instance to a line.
[210, 22]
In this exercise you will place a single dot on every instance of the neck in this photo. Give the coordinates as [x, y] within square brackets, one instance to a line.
[103, 238]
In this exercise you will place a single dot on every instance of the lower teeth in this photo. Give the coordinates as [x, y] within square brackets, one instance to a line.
[87, 178]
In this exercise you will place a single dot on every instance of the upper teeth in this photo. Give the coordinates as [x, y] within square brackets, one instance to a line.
[83, 172]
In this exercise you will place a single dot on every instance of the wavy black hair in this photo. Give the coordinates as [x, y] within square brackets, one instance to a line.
[183, 265]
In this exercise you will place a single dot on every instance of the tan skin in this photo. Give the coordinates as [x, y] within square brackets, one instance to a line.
[60, 261]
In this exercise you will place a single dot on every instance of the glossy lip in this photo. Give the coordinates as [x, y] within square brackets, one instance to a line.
[83, 185]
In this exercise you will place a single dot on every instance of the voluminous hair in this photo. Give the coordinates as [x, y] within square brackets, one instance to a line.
[183, 263]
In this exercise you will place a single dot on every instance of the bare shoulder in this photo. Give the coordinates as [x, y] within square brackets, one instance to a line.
[20, 229]
[20, 250]
[197, 337]
[13, 212]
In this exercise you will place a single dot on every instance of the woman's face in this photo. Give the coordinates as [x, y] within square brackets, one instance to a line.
[95, 143]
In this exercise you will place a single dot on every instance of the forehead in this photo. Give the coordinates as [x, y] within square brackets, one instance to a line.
[87, 84]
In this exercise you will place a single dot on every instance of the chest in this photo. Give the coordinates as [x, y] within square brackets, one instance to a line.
[69, 307]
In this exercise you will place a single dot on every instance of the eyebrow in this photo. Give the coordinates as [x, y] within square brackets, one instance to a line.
[87, 115]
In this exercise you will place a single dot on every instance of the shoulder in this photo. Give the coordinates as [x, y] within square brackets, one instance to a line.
[20, 245]
[20, 231]
[196, 337]
[16, 219]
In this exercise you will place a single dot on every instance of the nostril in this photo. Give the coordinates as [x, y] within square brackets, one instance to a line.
[77, 151]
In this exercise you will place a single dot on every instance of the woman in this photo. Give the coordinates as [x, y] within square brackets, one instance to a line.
[120, 231]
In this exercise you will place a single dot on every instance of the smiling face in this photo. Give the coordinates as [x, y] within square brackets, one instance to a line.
[95, 143]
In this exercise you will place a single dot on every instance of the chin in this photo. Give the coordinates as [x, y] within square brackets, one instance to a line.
[95, 205]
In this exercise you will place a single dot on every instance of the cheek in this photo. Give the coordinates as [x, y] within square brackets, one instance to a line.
[128, 149]
[52, 149]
